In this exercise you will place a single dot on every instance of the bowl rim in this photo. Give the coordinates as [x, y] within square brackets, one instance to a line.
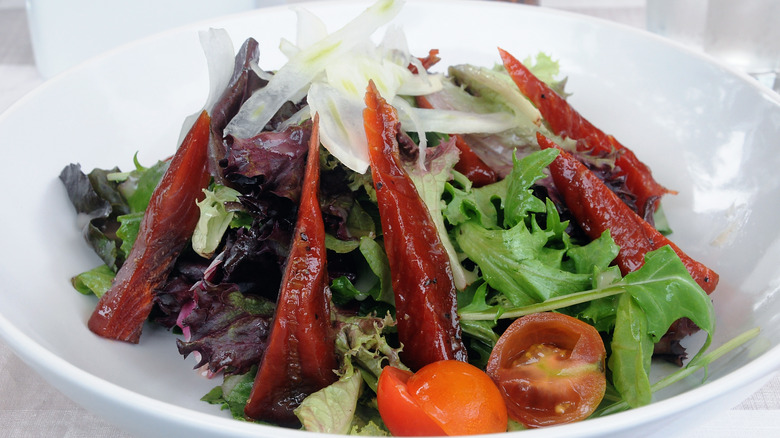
[60, 373]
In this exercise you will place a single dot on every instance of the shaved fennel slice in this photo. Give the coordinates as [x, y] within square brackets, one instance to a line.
[219, 51]
[341, 125]
[491, 82]
[295, 119]
[457, 122]
[310, 30]
[288, 48]
[338, 97]
[306, 65]
[218, 48]
[406, 112]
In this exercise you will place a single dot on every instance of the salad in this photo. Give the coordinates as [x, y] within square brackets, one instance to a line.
[356, 243]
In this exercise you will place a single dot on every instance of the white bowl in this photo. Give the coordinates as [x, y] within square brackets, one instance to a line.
[706, 131]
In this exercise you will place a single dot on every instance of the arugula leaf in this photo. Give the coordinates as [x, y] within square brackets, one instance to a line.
[596, 254]
[615, 404]
[496, 312]
[660, 222]
[662, 267]
[479, 334]
[682, 297]
[646, 319]
[632, 349]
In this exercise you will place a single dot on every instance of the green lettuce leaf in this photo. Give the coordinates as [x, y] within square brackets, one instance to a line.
[138, 185]
[547, 69]
[480, 204]
[374, 280]
[214, 219]
[377, 260]
[233, 394]
[129, 224]
[430, 184]
[331, 409]
[362, 341]
[95, 281]
[520, 200]
[511, 261]
[343, 407]
[496, 87]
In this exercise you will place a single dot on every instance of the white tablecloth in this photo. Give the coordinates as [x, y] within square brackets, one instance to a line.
[30, 407]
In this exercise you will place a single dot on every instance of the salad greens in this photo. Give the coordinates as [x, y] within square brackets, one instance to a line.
[511, 244]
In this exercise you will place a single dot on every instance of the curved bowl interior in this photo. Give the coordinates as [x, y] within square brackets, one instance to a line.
[706, 131]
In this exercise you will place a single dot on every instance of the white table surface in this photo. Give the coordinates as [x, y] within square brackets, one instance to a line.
[30, 407]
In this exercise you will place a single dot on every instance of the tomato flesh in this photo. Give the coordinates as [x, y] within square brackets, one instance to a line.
[447, 397]
[550, 369]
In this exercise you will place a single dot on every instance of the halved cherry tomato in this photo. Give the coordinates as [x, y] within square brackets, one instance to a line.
[447, 397]
[400, 411]
[549, 368]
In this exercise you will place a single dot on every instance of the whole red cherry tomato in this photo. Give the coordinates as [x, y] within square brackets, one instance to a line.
[447, 397]
[549, 368]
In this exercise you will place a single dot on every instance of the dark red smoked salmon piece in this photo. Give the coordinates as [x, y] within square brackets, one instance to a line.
[597, 209]
[300, 357]
[165, 229]
[425, 301]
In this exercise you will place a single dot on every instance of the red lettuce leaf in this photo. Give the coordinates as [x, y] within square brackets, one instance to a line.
[227, 328]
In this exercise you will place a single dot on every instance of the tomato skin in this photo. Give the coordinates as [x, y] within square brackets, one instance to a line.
[549, 368]
[401, 413]
[447, 397]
